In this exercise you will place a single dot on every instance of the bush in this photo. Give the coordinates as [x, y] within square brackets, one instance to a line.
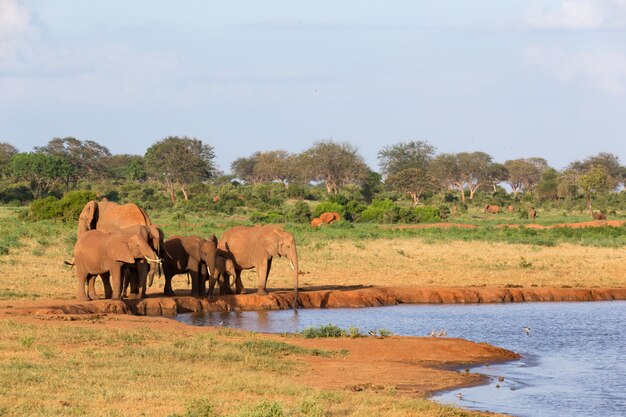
[44, 209]
[67, 208]
[381, 211]
[264, 409]
[330, 330]
[426, 214]
[73, 202]
[300, 213]
[329, 206]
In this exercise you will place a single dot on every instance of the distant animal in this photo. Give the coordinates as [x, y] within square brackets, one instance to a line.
[329, 217]
[316, 222]
[527, 330]
[532, 213]
[598, 215]
[510, 209]
[490, 208]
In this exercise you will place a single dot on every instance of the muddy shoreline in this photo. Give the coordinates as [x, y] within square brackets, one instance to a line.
[313, 297]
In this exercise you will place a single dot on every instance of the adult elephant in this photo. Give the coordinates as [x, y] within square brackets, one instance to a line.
[106, 254]
[329, 217]
[107, 216]
[189, 254]
[490, 208]
[255, 247]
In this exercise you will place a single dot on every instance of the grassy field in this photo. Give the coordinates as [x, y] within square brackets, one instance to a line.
[353, 254]
[83, 368]
[53, 367]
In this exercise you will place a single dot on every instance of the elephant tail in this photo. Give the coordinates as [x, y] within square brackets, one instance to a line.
[71, 263]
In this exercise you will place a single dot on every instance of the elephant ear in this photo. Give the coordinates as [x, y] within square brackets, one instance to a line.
[88, 217]
[270, 242]
[120, 250]
[192, 246]
[156, 238]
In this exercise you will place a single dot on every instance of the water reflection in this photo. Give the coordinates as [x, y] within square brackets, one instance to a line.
[573, 358]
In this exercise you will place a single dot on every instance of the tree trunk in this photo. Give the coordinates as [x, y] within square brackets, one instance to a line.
[184, 193]
[415, 199]
[588, 198]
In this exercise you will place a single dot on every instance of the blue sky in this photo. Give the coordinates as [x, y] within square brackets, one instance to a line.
[517, 78]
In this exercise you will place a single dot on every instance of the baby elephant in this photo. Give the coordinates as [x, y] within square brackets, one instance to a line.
[224, 269]
[191, 254]
[105, 254]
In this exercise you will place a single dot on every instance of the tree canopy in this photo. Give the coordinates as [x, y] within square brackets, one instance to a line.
[334, 163]
[179, 161]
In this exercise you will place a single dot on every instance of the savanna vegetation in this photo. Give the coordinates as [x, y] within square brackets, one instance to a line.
[52, 367]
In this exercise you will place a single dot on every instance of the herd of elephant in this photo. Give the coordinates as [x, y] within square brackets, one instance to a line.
[120, 244]
[493, 209]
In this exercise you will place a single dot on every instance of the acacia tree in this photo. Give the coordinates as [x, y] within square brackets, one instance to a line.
[334, 163]
[42, 172]
[413, 181]
[414, 154]
[593, 180]
[179, 161]
[125, 166]
[275, 166]
[524, 174]
[6, 153]
[243, 168]
[88, 159]
[463, 170]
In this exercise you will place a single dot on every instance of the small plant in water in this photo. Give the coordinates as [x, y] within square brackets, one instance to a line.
[329, 330]
[354, 332]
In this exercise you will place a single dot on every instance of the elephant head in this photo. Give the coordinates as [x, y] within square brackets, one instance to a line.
[282, 243]
[202, 250]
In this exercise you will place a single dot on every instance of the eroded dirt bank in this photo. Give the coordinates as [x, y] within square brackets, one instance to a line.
[314, 297]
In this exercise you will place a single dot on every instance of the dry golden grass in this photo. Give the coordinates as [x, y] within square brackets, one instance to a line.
[36, 270]
[410, 261]
[91, 368]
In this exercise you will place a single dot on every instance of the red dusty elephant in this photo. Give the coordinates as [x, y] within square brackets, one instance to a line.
[598, 215]
[490, 208]
[532, 213]
[329, 217]
[316, 222]
[107, 216]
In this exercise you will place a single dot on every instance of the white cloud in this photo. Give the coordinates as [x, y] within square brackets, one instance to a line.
[606, 71]
[580, 15]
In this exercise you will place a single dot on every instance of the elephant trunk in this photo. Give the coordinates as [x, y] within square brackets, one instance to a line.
[293, 258]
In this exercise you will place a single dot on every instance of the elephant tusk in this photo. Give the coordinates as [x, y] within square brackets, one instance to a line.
[155, 261]
[292, 267]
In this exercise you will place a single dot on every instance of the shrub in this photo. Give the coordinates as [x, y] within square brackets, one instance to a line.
[329, 206]
[300, 213]
[73, 202]
[329, 330]
[44, 208]
[426, 214]
[264, 409]
[381, 211]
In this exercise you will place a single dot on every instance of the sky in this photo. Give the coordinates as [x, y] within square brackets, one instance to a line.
[515, 78]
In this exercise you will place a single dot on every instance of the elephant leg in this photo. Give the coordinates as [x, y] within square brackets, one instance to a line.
[202, 280]
[106, 283]
[138, 277]
[81, 277]
[238, 285]
[263, 270]
[212, 280]
[116, 277]
[194, 283]
[225, 285]
[167, 289]
[91, 287]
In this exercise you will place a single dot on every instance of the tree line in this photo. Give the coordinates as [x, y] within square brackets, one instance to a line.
[413, 168]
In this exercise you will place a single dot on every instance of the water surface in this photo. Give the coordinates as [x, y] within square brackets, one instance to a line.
[574, 360]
